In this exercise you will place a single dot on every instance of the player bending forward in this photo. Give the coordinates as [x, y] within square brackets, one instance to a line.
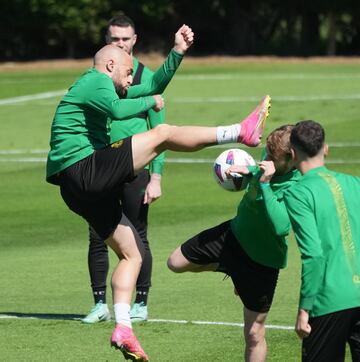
[252, 247]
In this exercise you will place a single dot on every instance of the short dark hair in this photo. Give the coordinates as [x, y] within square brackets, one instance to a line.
[308, 137]
[120, 20]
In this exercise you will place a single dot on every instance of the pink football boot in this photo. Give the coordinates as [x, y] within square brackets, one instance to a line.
[124, 339]
[252, 126]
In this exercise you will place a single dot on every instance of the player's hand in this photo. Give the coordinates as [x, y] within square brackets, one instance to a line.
[160, 103]
[268, 170]
[302, 327]
[234, 170]
[184, 38]
[153, 189]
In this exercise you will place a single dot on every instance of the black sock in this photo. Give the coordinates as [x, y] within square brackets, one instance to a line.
[99, 295]
[142, 295]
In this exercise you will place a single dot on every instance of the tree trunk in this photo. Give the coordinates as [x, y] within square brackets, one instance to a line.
[332, 32]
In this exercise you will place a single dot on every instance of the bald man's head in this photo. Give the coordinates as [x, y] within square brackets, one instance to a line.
[117, 64]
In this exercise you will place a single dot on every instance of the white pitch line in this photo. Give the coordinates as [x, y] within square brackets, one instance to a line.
[235, 99]
[231, 324]
[206, 160]
[175, 321]
[167, 160]
[210, 99]
[31, 97]
[23, 160]
[20, 151]
[262, 76]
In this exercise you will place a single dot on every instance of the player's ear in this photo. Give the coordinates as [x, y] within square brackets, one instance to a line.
[110, 65]
[326, 150]
[293, 153]
[134, 39]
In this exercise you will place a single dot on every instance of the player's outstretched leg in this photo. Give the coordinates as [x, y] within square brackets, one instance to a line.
[252, 126]
[124, 339]
[147, 145]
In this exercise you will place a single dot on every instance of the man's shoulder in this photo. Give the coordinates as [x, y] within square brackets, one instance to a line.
[300, 187]
[93, 76]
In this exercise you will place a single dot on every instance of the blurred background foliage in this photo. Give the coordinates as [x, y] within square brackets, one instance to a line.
[43, 29]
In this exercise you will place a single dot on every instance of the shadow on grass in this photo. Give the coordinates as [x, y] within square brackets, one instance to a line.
[52, 316]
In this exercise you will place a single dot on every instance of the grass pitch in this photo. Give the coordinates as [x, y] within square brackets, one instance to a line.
[43, 256]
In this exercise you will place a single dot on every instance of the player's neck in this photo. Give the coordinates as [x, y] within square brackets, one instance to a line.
[305, 166]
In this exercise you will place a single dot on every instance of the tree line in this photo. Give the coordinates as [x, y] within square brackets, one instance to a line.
[38, 29]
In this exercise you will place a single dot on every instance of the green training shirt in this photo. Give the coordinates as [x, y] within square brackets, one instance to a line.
[324, 211]
[133, 125]
[82, 120]
[262, 223]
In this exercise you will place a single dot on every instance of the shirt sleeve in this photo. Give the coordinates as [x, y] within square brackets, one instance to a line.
[108, 102]
[276, 211]
[160, 79]
[154, 119]
[303, 222]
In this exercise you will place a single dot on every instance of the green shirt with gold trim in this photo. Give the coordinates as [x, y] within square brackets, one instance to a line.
[324, 209]
[82, 119]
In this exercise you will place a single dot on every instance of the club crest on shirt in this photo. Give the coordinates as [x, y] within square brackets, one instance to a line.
[117, 144]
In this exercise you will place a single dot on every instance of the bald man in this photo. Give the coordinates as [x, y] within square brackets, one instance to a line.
[136, 196]
[91, 172]
[117, 64]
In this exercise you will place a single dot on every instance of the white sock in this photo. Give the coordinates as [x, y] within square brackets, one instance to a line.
[228, 134]
[122, 315]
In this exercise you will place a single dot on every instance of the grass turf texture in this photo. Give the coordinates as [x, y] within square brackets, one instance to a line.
[44, 247]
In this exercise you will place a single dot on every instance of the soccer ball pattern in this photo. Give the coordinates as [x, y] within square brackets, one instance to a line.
[227, 158]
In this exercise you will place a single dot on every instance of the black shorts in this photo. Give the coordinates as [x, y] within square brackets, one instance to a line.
[329, 334]
[91, 187]
[254, 282]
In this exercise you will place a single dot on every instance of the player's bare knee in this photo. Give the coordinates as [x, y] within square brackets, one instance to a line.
[171, 265]
[255, 333]
[136, 259]
[174, 265]
[163, 131]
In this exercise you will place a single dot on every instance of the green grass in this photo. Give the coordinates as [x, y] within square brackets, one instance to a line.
[43, 245]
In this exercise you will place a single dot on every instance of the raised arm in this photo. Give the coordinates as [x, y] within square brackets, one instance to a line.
[107, 101]
[184, 38]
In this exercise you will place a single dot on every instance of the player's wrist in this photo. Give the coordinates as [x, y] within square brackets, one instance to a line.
[179, 50]
[156, 177]
[302, 311]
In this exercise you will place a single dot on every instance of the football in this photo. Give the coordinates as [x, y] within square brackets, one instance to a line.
[227, 158]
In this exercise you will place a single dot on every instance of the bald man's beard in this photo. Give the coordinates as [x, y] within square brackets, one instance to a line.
[120, 89]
